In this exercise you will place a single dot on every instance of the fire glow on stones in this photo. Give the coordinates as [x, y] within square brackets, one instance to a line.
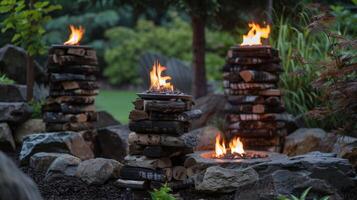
[158, 82]
[255, 34]
[75, 36]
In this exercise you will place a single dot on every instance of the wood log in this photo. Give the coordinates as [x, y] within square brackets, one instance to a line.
[71, 60]
[253, 108]
[71, 85]
[145, 162]
[68, 109]
[159, 127]
[73, 69]
[138, 173]
[56, 77]
[123, 183]
[260, 52]
[70, 100]
[257, 125]
[53, 117]
[138, 104]
[251, 86]
[185, 140]
[137, 115]
[179, 173]
[69, 126]
[258, 76]
[174, 185]
[158, 116]
[136, 149]
[260, 117]
[78, 92]
[190, 115]
[61, 50]
[274, 68]
[253, 61]
[232, 76]
[256, 133]
[245, 99]
[268, 92]
[162, 151]
[166, 106]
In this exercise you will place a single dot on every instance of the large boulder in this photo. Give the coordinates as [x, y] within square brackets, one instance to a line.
[13, 62]
[113, 142]
[14, 184]
[58, 142]
[306, 140]
[12, 93]
[29, 127]
[63, 166]
[206, 139]
[14, 113]
[219, 179]
[6, 140]
[98, 171]
[105, 119]
[42, 160]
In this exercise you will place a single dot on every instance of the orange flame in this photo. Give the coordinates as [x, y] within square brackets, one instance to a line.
[235, 146]
[75, 36]
[220, 148]
[157, 81]
[255, 34]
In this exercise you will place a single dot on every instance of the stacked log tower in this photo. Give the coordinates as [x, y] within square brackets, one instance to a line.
[255, 110]
[70, 105]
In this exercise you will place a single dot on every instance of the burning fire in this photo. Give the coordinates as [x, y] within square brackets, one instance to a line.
[76, 35]
[235, 146]
[157, 81]
[255, 34]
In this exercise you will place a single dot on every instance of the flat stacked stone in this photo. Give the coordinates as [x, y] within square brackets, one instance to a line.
[255, 111]
[73, 87]
[156, 147]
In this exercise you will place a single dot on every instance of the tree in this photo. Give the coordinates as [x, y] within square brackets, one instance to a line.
[27, 21]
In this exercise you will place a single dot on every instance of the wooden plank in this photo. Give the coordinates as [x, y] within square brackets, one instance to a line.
[137, 115]
[70, 100]
[71, 60]
[166, 106]
[268, 92]
[159, 127]
[258, 76]
[252, 86]
[259, 117]
[252, 60]
[57, 77]
[71, 85]
[253, 108]
[256, 125]
[77, 92]
[164, 140]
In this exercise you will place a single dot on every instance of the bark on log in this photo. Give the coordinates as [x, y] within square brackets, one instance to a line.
[251, 86]
[256, 125]
[256, 133]
[74, 69]
[137, 115]
[245, 99]
[56, 77]
[141, 185]
[261, 52]
[253, 108]
[53, 117]
[71, 85]
[137, 173]
[77, 92]
[268, 92]
[159, 127]
[138, 104]
[166, 106]
[68, 109]
[69, 126]
[186, 140]
[232, 76]
[190, 115]
[71, 100]
[179, 173]
[274, 68]
[136, 149]
[252, 61]
[259, 117]
[145, 162]
[258, 76]
[71, 60]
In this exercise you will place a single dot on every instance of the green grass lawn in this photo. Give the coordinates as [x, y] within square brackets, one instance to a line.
[116, 102]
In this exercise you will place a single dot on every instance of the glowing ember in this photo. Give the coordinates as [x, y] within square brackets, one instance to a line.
[235, 147]
[76, 35]
[255, 34]
[158, 82]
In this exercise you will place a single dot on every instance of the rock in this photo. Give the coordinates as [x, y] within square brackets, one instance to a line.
[207, 136]
[14, 112]
[218, 179]
[346, 147]
[305, 140]
[57, 142]
[98, 171]
[6, 140]
[113, 142]
[13, 63]
[212, 107]
[65, 165]
[29, 127]
[12, 93]
[41, 161]
[105, 119]
[14, 184]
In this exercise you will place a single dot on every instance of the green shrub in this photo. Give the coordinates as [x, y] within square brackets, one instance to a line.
[126, 45]
[5, 80]
[162, 194]
[36, 109]
[302, 197]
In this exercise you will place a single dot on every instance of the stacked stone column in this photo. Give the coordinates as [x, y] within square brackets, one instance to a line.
[255, 111]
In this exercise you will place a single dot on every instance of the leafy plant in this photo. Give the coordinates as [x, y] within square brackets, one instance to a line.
[36, 108]
[302, 197]
[5, 80]
[162, 194]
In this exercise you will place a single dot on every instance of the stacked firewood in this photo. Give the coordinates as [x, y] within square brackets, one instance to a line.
[73, 87]
[156, 146]
[255, 111]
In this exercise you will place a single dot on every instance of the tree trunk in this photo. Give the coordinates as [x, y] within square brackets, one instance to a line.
[199, 87]
[29, 78]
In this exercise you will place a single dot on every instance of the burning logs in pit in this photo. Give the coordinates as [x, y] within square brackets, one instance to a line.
[255, 111]
[73, 87]
[156, 151]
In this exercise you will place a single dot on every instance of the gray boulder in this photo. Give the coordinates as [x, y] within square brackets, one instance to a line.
[346, 147]
[6, 140]
[14, 184]
[113, 142]
[105, 119]
[41, 161]
[306, 140]
[58, 142]
[63, 166]
[12, 93]
[98, 171]
[29, 127]
[219, 179]
[14, 112]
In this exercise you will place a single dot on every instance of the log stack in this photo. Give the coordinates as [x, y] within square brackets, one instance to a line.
[157, 148]
[255, 111]
[72, 79]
